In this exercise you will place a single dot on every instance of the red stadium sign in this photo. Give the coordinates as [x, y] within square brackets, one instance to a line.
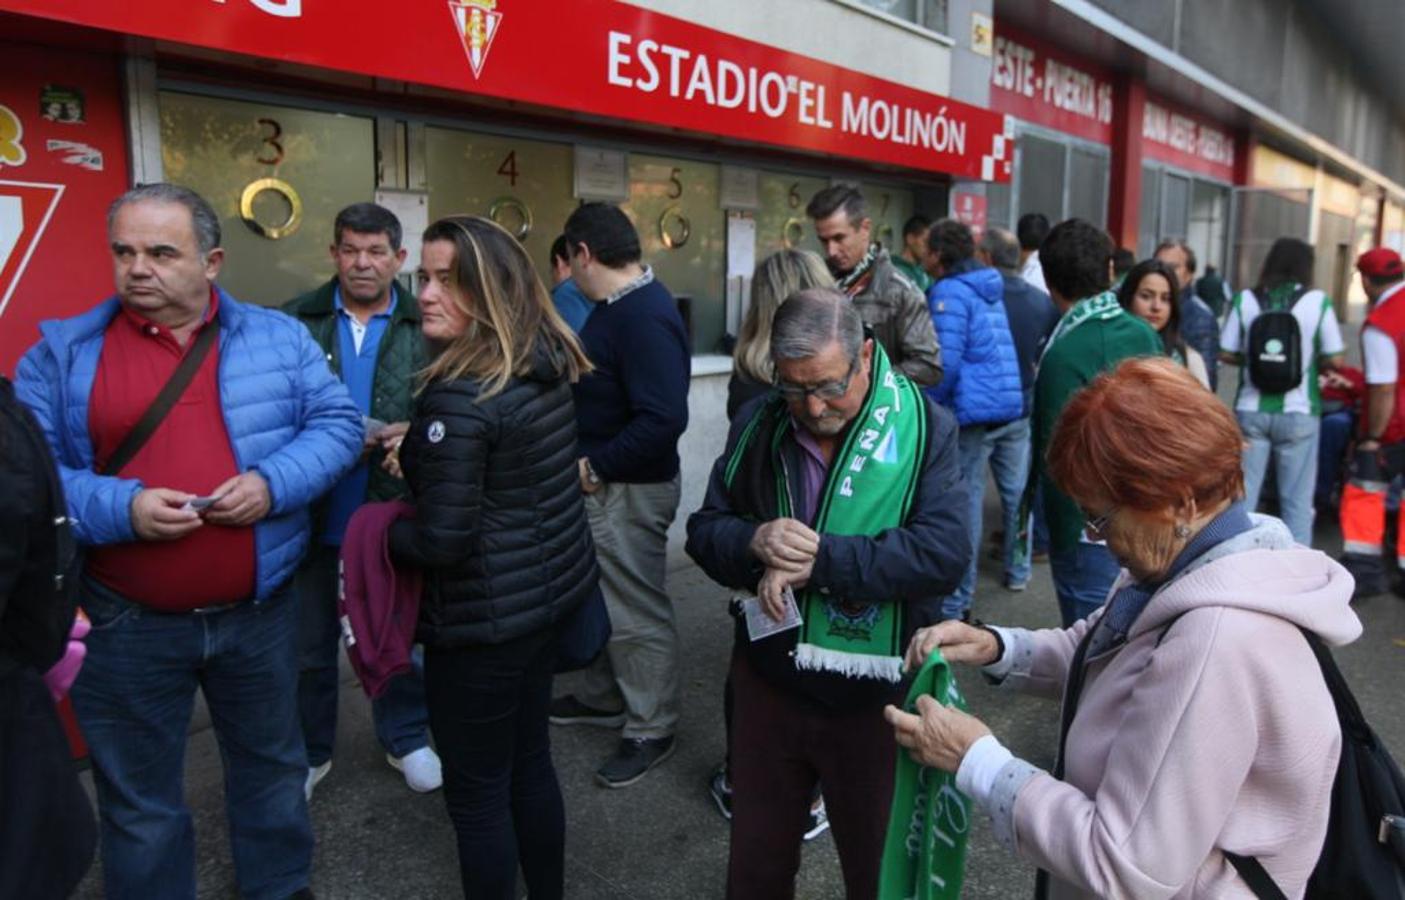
[599, 57]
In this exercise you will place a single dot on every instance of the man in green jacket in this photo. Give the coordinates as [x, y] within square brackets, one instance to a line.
[1094, 334]
[370, 331]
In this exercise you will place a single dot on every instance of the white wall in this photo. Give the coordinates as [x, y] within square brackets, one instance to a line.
[827, 30]
[701, 444]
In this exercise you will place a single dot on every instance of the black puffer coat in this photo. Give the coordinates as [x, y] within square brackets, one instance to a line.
[500, 530]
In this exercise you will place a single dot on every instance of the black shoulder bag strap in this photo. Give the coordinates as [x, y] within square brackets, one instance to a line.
[1073, 687]
[161, 406]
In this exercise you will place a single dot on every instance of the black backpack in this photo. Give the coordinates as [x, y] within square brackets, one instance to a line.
[1274, 352]
[1363, 857]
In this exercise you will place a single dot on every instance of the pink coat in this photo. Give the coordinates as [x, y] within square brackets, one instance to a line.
[1223, 736]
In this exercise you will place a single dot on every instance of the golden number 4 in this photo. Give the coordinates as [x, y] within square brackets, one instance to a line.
[508, 168]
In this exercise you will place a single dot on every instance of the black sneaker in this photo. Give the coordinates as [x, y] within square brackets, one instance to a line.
[720, 790]
[632, 759]
[568, 710]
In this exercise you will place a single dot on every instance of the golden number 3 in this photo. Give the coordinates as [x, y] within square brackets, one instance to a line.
[287, 192]
[271, 140]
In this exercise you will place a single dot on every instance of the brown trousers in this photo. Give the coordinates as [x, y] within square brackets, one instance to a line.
[781, 746]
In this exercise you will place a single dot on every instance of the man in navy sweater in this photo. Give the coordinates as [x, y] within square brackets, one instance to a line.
[630, 413]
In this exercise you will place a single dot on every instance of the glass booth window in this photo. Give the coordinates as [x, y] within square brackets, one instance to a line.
[277, 176]
[525, 186]
[676, 206]
[1087, 186]
[889, 208]
[929, 14]
[1040, 170]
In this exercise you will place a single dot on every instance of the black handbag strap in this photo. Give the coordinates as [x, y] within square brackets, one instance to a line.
[1255, 876]
[160, 407]
[1073, 687]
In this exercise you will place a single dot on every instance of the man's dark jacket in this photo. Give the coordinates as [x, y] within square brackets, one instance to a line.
[1033, 317]
[500, 530]
[1201, 330]
[916, 564]
[401, 355]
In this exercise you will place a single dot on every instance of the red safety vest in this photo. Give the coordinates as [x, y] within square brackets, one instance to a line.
[1389, 317]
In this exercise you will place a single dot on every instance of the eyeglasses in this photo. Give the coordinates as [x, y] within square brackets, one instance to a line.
[831, 390]
[1096, 526]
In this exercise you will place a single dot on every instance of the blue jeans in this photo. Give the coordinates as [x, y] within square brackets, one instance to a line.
[1006, 448]
[1082, 578]
[134, 698]
[1335, 436]
[1290, 439]
[402, 724]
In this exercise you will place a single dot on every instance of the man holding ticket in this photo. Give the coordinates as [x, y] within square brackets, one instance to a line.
[191, 433]
[839, 504]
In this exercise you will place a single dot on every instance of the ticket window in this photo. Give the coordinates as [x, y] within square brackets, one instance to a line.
[277, 176]
[675, 206]
[781, 223]
[890, 208]
[523, 185]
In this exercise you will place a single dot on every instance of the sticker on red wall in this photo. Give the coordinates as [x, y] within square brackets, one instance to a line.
[12, 152]
[63, 159]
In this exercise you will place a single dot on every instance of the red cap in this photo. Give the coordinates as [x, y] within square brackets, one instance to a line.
[1381, 264]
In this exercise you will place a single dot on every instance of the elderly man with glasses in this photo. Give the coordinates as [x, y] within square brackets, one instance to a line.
[839, 509]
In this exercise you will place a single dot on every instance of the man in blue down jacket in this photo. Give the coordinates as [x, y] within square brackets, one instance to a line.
[981, 381]
[185, 596]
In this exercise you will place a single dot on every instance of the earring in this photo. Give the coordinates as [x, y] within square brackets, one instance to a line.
[1182, 531]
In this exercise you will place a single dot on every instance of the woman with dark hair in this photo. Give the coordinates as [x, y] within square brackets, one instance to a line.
[500, 536]
[1149, 293]
[1279, 406]
[1197, 724]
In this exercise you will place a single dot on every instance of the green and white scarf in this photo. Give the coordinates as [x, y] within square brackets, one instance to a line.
[849, 283]
[924, 855]
[869, 489]
[1099, 306]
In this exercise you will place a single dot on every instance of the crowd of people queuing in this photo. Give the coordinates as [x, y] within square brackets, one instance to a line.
[464, 480]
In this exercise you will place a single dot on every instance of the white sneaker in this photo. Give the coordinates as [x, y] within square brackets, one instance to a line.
[421, 769]
[314, 775]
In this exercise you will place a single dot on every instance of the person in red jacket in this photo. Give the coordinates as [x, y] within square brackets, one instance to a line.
[1380, 452]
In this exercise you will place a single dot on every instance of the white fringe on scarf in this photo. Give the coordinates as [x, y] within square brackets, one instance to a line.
[852, 665]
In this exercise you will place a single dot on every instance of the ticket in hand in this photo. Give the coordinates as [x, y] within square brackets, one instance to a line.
[200, 504]
[760, 625]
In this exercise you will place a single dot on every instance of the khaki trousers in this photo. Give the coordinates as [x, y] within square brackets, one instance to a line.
[639, 668]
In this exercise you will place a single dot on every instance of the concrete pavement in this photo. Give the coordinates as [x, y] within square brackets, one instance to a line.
[663, 838]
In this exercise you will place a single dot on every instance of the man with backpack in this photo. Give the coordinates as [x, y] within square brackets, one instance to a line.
[1280, 333]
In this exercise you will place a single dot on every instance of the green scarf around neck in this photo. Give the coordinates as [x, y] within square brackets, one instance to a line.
[869, 488]
[924, 855]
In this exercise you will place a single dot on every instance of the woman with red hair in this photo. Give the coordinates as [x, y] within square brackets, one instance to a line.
[1196, 721]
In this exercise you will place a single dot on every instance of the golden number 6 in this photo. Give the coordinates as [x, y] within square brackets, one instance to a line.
[524, 215]
[685, 227]
[287, 192]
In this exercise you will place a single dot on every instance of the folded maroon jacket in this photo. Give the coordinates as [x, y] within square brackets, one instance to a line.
[379, 605]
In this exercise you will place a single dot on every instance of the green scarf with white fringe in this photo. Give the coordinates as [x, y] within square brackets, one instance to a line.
[869, 489]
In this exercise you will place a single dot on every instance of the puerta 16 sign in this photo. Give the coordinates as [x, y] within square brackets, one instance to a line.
[598, 57]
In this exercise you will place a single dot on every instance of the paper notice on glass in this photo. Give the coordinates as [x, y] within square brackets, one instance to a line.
[760, 625]
[741, 188]
[601, 174]
[412, 209]
[741, 246]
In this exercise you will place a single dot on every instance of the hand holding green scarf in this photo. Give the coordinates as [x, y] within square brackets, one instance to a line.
[924, 856]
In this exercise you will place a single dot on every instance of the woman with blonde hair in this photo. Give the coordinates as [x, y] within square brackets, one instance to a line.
[777, 277]
[500, 536]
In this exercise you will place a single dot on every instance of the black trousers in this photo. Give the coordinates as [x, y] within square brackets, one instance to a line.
[47, 830]
[487, 710]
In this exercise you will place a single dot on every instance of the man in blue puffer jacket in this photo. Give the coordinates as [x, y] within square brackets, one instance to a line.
[981, 381]
[191, 540]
